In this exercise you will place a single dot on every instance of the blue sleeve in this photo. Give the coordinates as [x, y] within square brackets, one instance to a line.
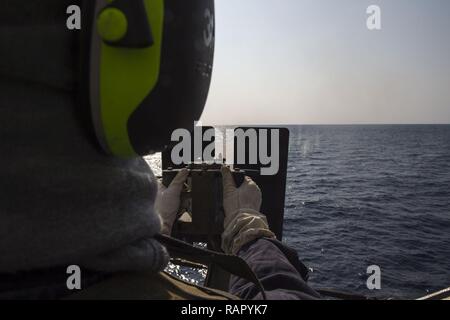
[279, 270]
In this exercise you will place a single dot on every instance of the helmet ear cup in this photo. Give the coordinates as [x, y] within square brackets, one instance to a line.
[143, 85]
[122, 72]
[180, 95]
[84, 106]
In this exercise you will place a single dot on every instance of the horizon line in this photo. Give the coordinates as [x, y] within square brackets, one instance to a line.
[325, 124]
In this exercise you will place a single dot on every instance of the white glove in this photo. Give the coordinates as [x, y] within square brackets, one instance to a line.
[168, 200]
[243, 221]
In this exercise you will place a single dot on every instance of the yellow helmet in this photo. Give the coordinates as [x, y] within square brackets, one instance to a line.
[148, 66]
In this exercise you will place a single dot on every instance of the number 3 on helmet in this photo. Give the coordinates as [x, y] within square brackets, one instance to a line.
[149, 65]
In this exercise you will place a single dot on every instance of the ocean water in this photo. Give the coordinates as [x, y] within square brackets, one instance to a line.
[368, 195]
[371, 195]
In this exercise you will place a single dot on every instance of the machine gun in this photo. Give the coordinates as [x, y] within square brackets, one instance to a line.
[201, 211]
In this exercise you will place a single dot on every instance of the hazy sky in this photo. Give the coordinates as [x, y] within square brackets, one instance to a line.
[315, 62]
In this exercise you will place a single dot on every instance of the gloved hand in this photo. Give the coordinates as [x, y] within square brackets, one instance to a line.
[168, 200]
[243, 221]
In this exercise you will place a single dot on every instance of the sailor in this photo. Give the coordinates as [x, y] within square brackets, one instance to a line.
[65, 202]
